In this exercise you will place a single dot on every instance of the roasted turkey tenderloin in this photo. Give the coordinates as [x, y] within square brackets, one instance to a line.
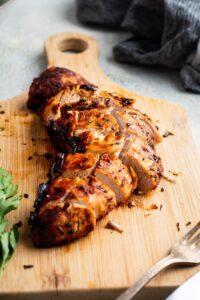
[107, 150]
[49, 83]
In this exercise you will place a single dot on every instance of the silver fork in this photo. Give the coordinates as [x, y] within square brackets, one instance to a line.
[185, 251]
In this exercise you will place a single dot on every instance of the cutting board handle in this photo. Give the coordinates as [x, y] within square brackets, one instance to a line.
[70, 50]
[78, 52]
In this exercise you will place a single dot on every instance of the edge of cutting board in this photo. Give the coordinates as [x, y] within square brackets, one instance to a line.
[178, 152]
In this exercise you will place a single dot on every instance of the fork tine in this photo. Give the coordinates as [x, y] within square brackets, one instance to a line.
[195, 240]
[190, 233]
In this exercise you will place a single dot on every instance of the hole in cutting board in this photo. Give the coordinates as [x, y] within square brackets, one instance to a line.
[73, 46]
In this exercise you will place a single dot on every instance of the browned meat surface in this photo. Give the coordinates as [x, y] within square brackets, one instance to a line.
[49, 83]
[69, 209]
[79, 120]
[82, 98]
[107, 151]
[112, 172]
[134, 123]
[74, 165]
[145, 162]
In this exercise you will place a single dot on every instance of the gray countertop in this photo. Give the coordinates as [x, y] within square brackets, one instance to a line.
[24, 25]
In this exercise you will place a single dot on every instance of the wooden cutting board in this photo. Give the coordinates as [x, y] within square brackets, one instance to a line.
[102, 264]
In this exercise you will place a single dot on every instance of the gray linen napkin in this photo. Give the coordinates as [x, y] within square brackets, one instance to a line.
[165, 32]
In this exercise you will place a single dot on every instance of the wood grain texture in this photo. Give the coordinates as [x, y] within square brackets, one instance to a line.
[105, 262]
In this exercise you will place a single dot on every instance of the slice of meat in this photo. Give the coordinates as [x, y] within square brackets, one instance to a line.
[145, 162]
[74, 98]
[96, 195]
[79, 164]
[79, 120]
[111, 171]
[82, 98]
[68, 209]
[73, 165]
[112, 142]
[86, 131]
[49, 83]
[134, 122]
[62, 223]
[57, 220]
[153, 134]
[138, 151]
[98, 130]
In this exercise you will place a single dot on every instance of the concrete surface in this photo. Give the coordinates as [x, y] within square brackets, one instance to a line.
[24, 25]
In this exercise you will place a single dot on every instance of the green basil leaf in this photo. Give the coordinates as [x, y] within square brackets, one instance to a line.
[9, 200]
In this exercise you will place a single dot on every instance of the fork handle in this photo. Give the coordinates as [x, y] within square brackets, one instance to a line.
[161, 265]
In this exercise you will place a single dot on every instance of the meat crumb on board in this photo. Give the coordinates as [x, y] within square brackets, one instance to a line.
[131, 204]
[139, 204]
[114, 226]
[188, 223]
[168, 177]
[167, 133]
[147, 214]
[178, 226]
[28, 267]
[174, 173]
[152, 206]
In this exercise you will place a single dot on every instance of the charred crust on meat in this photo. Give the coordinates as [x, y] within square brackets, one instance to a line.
[31, 218]
[89, 227]
[49, 83]
[88, 87]
[126, 101]
[80, 188]
[60, 136]
[55, 108]
[42, 189]
[76, 144]
[58, 192]
[56, 166]
[67, 204]
[41, 192]
[81, 105]
[150, 143]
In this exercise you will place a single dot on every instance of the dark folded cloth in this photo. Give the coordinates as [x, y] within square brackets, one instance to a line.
[166, 32]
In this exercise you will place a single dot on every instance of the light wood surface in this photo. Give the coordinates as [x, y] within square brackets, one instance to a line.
[105, 262]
